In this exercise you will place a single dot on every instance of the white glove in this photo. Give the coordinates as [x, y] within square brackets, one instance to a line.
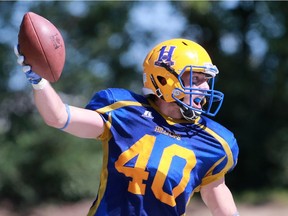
[37, 81]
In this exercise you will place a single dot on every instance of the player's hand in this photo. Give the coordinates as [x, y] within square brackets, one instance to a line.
[32, 77]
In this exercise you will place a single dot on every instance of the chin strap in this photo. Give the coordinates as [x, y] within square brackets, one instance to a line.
[188, 113]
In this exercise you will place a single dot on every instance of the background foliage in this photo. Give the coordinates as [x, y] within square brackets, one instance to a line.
[105, 45]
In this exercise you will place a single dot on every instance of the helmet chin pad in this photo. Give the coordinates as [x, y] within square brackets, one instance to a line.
[188, 113]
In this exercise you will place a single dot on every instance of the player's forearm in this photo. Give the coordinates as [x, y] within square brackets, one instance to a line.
[219, 199]
[50, 106]
[224, 211]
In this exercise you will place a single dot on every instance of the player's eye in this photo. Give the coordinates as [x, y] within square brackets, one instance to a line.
[198, 78]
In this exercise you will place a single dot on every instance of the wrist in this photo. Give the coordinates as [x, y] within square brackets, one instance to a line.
[40, 85]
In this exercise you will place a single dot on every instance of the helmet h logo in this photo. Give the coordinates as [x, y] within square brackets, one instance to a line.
[165, 56]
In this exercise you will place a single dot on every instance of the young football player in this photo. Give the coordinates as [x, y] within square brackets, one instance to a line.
[160, 147]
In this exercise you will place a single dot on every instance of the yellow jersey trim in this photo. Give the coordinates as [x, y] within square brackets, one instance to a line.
[209, 177]
[105, 137]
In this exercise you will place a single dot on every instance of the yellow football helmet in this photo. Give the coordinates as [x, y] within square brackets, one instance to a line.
[164, 67]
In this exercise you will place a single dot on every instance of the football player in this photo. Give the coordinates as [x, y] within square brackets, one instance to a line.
[159, 147]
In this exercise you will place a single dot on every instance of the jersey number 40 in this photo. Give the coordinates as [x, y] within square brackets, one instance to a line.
[143, 148]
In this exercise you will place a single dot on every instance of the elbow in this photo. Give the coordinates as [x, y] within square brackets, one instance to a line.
[56, 118]
[54, 122]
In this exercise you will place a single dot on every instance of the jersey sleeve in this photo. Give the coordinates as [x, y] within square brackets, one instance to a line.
[100, 103]
[229, 159]
[99, 100]
[106, 102]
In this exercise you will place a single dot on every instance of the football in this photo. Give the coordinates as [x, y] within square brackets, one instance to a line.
[42, 46]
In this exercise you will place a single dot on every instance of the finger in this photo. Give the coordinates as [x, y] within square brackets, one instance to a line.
[26, 68]
[16, 50]
[20, 60]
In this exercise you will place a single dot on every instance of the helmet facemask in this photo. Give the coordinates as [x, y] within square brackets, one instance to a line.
[198, 96]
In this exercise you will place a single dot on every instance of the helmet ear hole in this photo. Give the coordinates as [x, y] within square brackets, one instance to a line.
[162, 80]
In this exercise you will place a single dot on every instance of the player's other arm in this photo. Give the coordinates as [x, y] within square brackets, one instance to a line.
[77, 121]
[219, 199]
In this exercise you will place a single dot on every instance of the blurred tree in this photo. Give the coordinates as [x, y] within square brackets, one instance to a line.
[246, 40]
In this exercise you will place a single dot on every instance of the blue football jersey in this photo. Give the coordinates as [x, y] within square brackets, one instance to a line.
[152, 164]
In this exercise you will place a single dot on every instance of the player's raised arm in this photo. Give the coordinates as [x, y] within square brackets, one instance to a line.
[77, 121]
[41, 53]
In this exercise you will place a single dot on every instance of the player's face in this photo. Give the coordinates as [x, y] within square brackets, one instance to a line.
[199, 80]
[172, 109]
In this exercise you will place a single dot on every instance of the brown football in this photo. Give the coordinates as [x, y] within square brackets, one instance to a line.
[42, 46]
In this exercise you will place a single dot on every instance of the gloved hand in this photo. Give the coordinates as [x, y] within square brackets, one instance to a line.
[37, 81]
